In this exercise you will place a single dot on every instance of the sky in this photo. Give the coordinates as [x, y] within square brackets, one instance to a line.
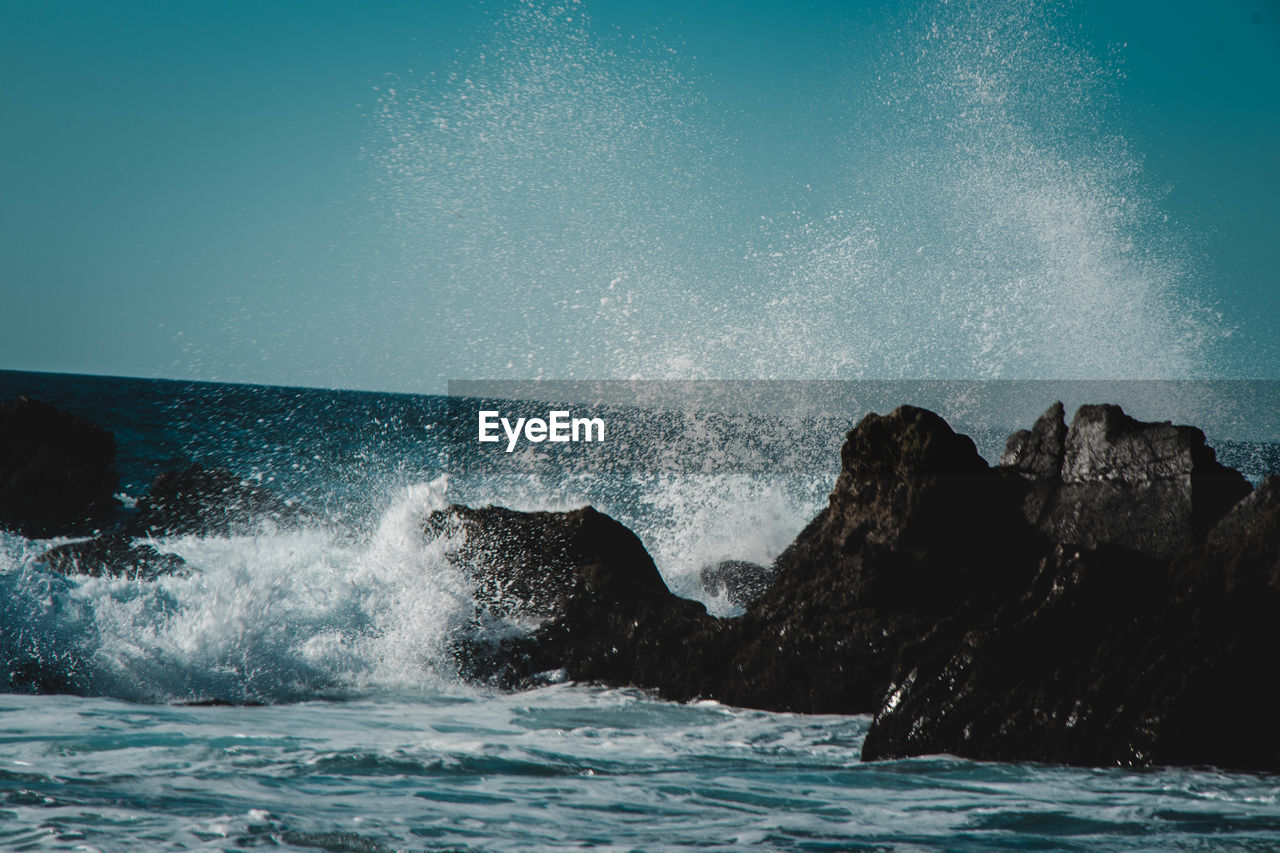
[389, 195]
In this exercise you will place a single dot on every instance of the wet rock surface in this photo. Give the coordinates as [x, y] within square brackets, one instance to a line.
[58, 479]
[1108, 595]
[605, 613]
[57, 471]
[739, 581]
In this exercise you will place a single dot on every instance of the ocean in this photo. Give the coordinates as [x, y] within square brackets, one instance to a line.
[294, 690]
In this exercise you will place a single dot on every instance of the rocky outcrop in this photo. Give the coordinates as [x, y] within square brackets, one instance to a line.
[209, 502]
[910, 532]
[1154, 488]
[916, 525]
[57, 472]
[604, 612]
[1107, 595]
[1148, 635]
[1111, 658]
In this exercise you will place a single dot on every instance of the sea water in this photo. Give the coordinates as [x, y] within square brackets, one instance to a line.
[294, 689]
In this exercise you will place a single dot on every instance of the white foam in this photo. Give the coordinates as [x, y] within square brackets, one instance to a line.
[258, 618]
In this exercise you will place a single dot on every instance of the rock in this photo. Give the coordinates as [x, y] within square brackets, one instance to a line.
[1112, 658]
[112, 555]
[1154, 488]
[602, 609]
[1038, 452]
[209, 501]
[57, 472]
[1053, 676]
[916, 525]
[740, 581]
[1127, 618]
[1236, 524]
[1127, 652]
[533, 563]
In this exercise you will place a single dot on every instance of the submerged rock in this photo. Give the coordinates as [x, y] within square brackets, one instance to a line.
[112, 555]
[57, 471]
[209, 501]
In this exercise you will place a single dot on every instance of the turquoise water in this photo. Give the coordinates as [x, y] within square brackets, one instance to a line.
[563, 768]
[348, 727]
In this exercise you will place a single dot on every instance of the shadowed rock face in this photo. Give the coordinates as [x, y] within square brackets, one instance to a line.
[917, 523]
[1154, 488]
[1111, 657]
[1148, 635]
[57, 472]
[606, 613]
[1095, 600]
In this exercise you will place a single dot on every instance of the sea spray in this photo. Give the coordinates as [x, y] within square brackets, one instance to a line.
[277, 616]
[987, 217]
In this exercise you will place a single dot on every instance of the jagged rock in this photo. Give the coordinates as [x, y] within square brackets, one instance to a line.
[208, 501]
[1112, 658]
[916, 525]
[1236, 524]
[1155, 488]
[57, 472]
[1130, 651]
[112, 555]
[1038, 452]
[740, 581]
[925, 593]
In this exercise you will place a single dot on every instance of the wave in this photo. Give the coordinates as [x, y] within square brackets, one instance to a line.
[325, 611]
[976, 212]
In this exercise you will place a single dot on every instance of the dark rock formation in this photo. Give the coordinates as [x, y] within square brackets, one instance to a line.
[209, 501]
[739, 581]
[1104, 597]
[1153, 642]
[1155, 488]
[607, 615]
[916, 525]
[113, 555]
[1112, 657]
[57, 472]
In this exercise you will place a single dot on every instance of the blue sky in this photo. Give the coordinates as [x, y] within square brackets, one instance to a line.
[230, 190]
